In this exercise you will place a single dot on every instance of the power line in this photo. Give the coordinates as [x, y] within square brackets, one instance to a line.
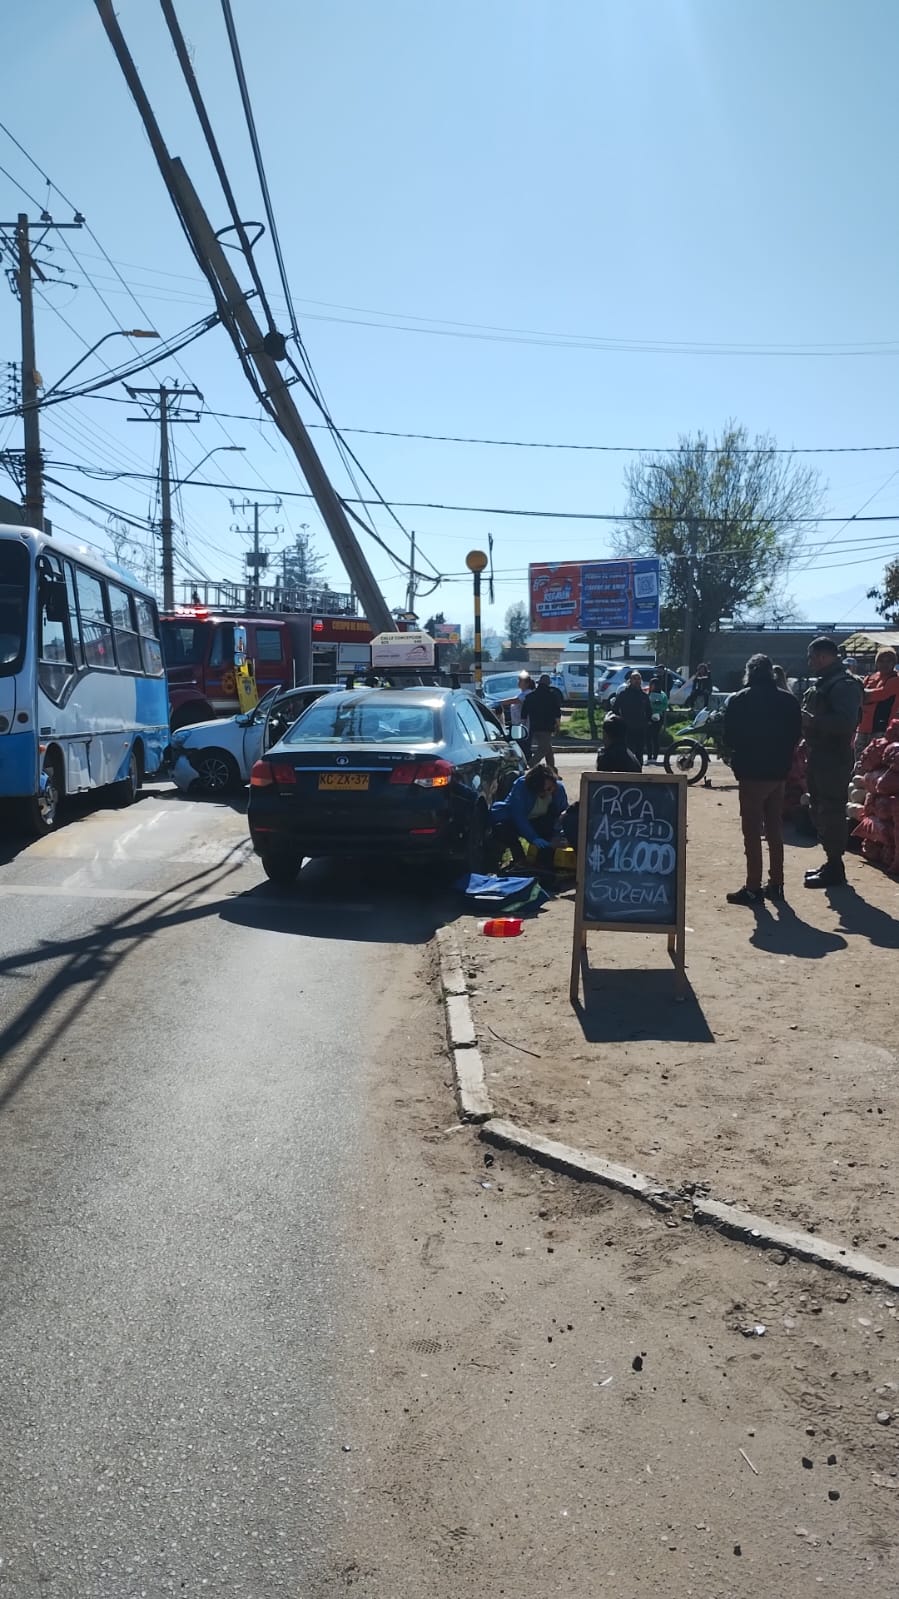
[489, 510]
[556, 444]
[640, 345]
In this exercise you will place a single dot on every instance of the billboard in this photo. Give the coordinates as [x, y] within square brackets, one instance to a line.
[606, 596]
[448, 633]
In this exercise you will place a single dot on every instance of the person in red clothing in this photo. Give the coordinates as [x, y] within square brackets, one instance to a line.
[881, 699]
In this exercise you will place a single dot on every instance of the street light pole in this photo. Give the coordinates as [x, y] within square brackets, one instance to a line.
[116, 333]
[477, 562]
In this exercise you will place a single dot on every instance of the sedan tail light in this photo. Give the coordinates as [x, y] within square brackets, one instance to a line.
[423, 774]
[266, 773]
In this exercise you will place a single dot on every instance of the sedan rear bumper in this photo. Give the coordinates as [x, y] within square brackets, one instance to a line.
[429, 836]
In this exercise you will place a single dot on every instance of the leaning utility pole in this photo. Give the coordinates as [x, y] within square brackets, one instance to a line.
[262, 351]
[25, 270]
[165, 418]
[257, 559]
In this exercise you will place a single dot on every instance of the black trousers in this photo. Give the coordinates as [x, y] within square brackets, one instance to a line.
[634, 741]
[653, 734]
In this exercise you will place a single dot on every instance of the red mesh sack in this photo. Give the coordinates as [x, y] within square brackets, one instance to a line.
[891, 756]
[888, 781]
[872, 755]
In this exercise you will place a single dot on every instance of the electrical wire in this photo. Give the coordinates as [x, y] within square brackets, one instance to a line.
[560, 444]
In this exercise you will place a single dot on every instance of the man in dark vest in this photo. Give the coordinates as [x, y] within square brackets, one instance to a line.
[830, 712]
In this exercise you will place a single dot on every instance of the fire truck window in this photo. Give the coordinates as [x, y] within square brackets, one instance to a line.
[222, 653]
[268, 644]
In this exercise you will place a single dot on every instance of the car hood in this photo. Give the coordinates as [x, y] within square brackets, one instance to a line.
[199, 732]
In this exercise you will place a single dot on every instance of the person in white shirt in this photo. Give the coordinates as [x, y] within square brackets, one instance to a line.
[517, 717]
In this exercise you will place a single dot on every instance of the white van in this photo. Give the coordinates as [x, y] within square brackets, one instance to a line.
[572, 678]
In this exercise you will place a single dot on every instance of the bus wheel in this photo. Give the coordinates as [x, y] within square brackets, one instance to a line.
[40, 814]
[126, 790]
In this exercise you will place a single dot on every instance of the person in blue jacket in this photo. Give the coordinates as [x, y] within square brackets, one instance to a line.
[532, 810]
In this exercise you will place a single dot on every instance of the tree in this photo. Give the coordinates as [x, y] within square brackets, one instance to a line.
[518, 627]
[433, 622]
[887, 596]
[725, 520]
[302, 565]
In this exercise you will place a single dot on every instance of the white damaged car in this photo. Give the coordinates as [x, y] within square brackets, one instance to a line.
[216, 757]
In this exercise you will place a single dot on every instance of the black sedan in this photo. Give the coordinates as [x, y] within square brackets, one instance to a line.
[408, 773]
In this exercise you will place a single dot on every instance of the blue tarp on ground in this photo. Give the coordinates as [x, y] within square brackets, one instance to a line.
[507, 893]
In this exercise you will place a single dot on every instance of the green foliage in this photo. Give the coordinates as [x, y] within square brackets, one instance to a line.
[887, 596]
[725, 520]
[518, 627]
[302, 564]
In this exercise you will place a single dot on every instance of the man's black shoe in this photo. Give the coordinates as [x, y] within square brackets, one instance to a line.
[746, 896]
[831, 875]
[774, 891]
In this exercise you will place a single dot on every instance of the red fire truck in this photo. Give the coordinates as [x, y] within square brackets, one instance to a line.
[290, 648]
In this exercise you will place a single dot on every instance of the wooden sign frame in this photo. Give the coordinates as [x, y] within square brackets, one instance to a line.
[675, 934]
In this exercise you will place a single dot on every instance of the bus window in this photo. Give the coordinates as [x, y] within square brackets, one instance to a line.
[95, 629]
[56, 666]
[13, 607]
[148, 627]
[77, 647]
[127, 643]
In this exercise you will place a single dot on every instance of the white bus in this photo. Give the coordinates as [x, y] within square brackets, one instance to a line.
[83, 695]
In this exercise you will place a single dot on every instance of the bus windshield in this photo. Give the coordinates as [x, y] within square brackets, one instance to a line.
[13, 605]
[184, 643]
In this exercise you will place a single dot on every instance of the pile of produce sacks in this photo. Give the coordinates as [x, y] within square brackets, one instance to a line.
[874, 800]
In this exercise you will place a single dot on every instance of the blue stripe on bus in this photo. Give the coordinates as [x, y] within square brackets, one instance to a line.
[18, 764]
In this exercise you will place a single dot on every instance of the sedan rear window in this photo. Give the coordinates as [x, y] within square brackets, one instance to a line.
[356, 722]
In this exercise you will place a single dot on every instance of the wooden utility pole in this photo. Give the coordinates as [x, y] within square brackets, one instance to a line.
[25, 270]
[257, 559]
[260, 351]
[161, 397]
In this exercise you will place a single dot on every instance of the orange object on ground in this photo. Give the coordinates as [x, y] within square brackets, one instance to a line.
[500, 926]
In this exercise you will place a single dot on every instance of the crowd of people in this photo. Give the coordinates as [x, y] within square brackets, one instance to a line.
[764, 724]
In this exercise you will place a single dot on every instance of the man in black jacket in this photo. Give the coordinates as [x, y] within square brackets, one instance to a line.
[543, 712]
[762, 726]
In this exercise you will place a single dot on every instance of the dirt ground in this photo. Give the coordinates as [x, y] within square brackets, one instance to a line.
[776, 1084]
[557, 1396]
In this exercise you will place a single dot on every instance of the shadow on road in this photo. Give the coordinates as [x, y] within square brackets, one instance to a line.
[785, 933]
[863, 920]
[14, 842]
[623, 1005]
[88, 962]
[364, 902]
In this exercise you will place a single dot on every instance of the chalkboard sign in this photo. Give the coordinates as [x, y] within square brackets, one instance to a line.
[631, 860]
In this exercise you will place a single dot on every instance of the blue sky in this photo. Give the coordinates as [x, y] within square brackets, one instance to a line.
[631, 176]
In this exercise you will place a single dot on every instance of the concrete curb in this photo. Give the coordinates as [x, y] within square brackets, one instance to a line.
[741, 1225]
[468, 1064]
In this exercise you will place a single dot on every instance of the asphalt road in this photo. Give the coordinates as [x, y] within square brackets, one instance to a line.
[183, 1059]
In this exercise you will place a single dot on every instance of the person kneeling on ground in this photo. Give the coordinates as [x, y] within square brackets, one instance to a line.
[616, 755]
[532, 811]
[762, 726]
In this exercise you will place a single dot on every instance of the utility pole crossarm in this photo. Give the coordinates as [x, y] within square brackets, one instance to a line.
[161, 397]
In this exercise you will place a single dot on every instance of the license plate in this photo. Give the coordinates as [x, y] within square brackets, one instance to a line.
[343, 780]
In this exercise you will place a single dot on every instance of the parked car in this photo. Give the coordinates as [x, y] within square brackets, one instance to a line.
[409, 773]
[217, 756]
[498, 690]
[617, 677]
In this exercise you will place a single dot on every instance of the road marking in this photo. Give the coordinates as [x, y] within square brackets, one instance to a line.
[145, 895]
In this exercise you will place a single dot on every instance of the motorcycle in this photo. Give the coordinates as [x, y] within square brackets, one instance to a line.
[688, 756]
